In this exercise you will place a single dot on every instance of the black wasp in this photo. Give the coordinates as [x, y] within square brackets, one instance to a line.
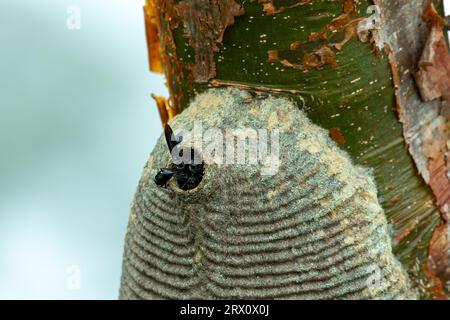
[188, 175]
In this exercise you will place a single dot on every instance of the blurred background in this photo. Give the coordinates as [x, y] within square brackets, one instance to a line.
[76, 127]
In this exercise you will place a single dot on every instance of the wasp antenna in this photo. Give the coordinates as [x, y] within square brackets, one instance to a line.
[168, 132]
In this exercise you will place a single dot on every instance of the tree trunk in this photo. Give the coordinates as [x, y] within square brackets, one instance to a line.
[375, 74]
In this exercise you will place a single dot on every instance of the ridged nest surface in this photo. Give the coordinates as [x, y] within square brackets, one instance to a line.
[313, 230]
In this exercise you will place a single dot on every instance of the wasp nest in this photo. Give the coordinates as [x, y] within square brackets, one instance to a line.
[303, 222]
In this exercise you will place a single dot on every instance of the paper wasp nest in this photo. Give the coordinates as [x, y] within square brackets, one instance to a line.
[311, 229]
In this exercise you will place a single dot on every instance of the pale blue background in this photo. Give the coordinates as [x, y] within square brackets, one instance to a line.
[76, 127]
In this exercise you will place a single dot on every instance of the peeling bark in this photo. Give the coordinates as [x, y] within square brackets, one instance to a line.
[439, 261]
[310, 60]
[433, 77]
[348, 23]
[425, 122]
[413, 44]
[166, 113]
[270, 7]
[161, 14]
[152, 34]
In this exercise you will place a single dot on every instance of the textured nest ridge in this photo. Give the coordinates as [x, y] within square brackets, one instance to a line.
[313, 230]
